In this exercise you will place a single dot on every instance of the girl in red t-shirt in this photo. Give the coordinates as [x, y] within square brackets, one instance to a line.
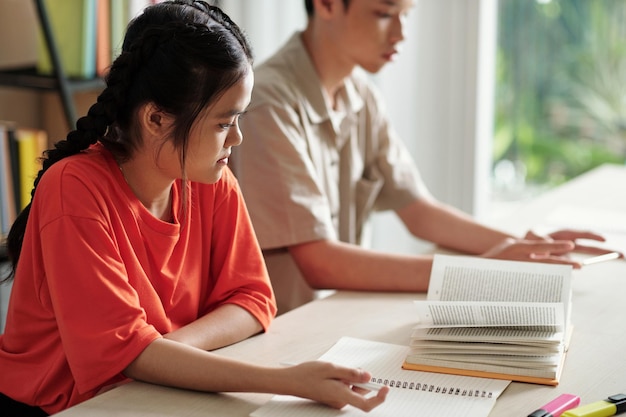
[136, 256]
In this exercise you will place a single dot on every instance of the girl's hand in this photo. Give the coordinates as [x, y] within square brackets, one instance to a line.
[331, 384]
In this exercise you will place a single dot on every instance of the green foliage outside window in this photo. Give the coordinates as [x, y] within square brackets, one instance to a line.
[561, 89]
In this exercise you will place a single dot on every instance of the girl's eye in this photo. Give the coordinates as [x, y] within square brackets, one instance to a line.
[234, 123]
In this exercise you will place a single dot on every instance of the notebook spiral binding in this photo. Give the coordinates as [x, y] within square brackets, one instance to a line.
[463, 392]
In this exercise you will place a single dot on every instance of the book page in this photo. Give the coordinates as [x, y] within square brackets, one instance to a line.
[489, 334]
[412, 393]
[545, 316]
[464, 278]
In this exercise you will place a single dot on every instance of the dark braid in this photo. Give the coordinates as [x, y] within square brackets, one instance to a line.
[180, 55]
[88, 129]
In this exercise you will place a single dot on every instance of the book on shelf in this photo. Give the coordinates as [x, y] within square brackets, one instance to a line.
[20, 153]
[73, 25]
[31, 143]
[104, 37]
[494, 318]
[411, 393]
[14, 166]
[88, 34]
[8, 206]
[120, 15]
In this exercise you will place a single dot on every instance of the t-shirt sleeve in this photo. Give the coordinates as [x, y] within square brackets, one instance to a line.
[237, 267]
[100, 321]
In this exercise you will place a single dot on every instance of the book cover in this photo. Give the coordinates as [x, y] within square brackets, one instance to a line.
[103, 37]
[15, 168]
[30, 145]
[73, 24]
[7, 197]
[119, 20]
[411, 393]
[493, 318]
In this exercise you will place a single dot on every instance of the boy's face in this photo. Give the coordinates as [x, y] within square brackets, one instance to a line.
[369, 31]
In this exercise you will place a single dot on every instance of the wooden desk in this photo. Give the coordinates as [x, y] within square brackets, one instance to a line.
[595, 366]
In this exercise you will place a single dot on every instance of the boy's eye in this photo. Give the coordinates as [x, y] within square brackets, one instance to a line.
[226, 125]
[383, 15]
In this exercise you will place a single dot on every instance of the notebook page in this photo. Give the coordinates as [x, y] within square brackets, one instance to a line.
[412, 393]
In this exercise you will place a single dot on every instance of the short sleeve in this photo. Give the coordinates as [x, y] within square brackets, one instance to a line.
[99, 316]
[237, 268]
[278, 179]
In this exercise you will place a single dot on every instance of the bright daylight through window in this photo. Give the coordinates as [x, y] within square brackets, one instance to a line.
[560, 92]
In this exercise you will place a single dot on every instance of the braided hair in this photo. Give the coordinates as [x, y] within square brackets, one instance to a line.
[180, 55]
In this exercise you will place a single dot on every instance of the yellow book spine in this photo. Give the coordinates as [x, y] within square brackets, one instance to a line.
[30, 142]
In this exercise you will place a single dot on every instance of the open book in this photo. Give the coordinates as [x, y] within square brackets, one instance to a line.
[494, 318]
[411, 393]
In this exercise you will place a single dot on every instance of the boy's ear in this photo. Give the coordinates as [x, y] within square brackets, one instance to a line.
[326, 8]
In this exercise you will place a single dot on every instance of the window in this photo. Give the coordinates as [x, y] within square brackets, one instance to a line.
[560, 95]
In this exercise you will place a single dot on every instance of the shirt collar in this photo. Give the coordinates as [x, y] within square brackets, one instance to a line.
[315, 104]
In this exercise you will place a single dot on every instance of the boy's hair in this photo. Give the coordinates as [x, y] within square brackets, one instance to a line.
[180, 55]
[308, 4]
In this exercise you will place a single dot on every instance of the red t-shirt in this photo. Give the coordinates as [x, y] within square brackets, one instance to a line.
[100, 278]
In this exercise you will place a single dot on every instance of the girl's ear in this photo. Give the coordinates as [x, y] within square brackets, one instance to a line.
[153, 120]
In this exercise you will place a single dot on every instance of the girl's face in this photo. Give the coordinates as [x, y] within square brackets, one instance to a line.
[370, 31]
[216, 131]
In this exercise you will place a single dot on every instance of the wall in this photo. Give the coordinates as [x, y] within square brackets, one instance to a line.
[17, 48]
[440, 97]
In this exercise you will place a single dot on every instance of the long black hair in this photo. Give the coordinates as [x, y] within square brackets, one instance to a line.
[180, 55]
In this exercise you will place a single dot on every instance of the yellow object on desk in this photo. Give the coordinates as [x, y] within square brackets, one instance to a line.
[615, 404]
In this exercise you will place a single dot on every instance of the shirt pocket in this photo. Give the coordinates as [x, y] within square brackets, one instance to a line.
[367, 191]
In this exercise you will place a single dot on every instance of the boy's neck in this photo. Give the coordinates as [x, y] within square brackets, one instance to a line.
[331, 65]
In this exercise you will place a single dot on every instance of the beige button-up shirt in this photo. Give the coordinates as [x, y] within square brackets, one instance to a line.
[309, 172]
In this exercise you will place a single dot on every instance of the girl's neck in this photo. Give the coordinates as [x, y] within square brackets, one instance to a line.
[156, 196]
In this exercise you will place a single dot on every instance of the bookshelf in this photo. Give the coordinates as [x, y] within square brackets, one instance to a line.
[28, 77]
[65, 86]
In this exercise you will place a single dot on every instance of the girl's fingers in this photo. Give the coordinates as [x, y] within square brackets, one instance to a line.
[365, 402]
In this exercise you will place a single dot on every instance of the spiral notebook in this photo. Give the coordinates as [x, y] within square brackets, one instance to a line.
[412, 393]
